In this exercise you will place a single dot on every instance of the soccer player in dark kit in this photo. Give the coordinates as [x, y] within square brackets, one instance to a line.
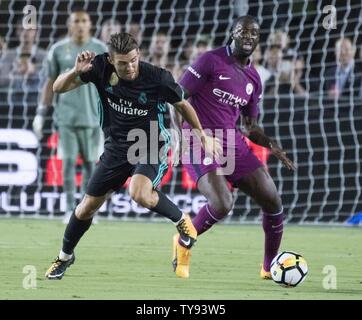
[221, 85]
[133, 96]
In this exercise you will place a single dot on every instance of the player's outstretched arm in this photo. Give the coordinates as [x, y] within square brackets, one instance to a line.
[69, 80]
[211, 145]
[257, 135]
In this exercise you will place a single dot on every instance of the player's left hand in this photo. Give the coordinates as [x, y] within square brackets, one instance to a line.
[282, 156]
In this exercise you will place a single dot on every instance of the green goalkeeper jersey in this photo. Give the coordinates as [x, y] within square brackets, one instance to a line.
[78, 107]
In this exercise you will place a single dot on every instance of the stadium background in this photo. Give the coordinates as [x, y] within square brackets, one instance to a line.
[322, 135]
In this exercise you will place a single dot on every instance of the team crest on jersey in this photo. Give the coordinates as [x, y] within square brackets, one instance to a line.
[113, 80]
[249, 88]
[142, 98]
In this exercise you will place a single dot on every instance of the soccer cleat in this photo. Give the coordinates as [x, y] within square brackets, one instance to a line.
[180, 258]
[58, 267]
[266, 275]
[187, 231]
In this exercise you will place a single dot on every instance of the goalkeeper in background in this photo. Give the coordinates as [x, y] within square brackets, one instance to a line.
[76, 112]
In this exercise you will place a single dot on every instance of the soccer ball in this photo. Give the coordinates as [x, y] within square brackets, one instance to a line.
[288, 269]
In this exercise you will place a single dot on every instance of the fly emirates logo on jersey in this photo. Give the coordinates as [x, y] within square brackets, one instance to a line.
[126, 107]
[229, 98]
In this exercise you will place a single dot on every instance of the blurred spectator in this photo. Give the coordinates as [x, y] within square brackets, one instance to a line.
[109, 27]
[281, 39]
[159, 49]
[297, 75]
[264, 73]
[24, 81]
[201, 46]
[359, 69]
[344, 78]
[274, 56]
[286, 74]
[190, 52]
[134, 29]
[13, 59]
[3, 46]
[186, 52]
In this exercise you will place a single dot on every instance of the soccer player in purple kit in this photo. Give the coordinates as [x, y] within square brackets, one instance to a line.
[220, 85]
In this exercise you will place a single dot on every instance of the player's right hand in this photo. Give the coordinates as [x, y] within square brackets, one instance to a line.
[38, 124]
[282, 156]
[83, 62]
[212, 146]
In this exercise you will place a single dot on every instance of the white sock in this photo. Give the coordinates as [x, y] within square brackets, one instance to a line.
[182, 217]
[63, 256]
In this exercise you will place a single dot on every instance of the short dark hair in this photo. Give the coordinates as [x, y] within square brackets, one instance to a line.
[246, 18]
[121, 43]
[239, 20]
[76, 8]
[202, 42]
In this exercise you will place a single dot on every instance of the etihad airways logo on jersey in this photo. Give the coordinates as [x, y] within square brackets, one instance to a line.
[229, 98]
[125, 107]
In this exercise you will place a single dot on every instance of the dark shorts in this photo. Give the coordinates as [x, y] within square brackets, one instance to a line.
[110, 177]
[239, 154]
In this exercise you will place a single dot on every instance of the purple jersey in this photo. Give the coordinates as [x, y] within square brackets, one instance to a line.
[220, 89]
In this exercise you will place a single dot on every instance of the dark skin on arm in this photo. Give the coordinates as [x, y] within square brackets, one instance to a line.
[256, 134]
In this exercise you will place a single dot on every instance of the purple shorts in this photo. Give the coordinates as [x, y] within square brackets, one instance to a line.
[238, 161]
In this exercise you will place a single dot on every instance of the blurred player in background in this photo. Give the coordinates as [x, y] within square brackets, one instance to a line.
[221, 84]
[109, 27]
[159, 49]
[76, 112]
[133, 97]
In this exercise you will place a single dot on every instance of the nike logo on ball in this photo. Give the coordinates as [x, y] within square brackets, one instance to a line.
[223, 78]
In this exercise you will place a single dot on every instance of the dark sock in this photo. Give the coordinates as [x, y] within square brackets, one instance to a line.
[273, 229]
[167, 208]
[73, 232]
[206, 218]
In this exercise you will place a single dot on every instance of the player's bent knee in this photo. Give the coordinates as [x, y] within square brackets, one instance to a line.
[223, 205]
[141, 197]
[88, 207]
[273, 204]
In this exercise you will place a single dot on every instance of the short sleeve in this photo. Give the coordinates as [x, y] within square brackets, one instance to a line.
[52, 65]
[171, 91]
[252, 108]
[196, 75]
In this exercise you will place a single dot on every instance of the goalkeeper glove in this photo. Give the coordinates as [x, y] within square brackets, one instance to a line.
[39, 119]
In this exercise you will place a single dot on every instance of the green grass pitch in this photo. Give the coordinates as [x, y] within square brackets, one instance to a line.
[132, 260]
